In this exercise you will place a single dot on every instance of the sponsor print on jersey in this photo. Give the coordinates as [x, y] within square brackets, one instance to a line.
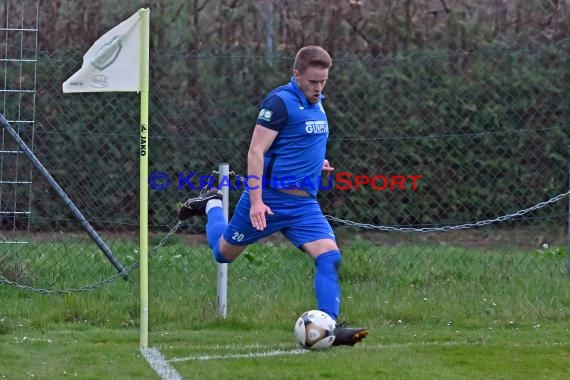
[317, 126]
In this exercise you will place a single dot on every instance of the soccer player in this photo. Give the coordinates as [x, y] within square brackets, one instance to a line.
[285, 162]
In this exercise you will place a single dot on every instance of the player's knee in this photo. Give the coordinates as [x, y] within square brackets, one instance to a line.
[219, 256]
[328, 261]
[224, 252]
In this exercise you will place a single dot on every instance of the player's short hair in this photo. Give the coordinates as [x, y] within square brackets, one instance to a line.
[312, 56]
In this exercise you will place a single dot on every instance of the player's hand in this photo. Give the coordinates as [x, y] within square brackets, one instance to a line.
[257, 215]
[327, 168]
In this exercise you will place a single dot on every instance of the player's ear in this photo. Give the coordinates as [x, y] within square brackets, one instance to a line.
[296, 73]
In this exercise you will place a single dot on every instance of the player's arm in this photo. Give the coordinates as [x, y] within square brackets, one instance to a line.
[260, 142]
[271, 120]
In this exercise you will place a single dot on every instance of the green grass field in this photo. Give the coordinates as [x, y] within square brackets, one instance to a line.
[434, 312]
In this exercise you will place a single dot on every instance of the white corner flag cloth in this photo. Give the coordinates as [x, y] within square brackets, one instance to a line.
[112, 63]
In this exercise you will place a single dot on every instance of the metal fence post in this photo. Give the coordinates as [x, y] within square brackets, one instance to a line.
[568, 233]
[222, 269]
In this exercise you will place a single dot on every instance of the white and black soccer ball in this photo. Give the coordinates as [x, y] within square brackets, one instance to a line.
[314, 330]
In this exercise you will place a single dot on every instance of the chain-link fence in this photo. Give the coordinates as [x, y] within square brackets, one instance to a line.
[445, 138]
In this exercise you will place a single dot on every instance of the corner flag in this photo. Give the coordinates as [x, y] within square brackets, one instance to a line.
[119, 61]
[112, 63]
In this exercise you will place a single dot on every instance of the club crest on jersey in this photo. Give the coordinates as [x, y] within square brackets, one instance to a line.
[265, 115]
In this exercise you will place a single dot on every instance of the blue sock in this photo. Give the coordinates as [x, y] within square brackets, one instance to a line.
[214, 230]
[327, 289]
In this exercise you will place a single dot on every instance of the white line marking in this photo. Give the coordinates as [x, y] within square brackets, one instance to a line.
[159, 364]
[364, 346]
[451, 344]
[240, 356]
[396, 346]
[249, 355]
[237, 347]
[418, 344]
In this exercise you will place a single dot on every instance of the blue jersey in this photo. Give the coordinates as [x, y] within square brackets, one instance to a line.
[295, 159]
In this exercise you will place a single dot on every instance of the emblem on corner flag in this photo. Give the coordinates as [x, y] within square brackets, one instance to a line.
[108, 53]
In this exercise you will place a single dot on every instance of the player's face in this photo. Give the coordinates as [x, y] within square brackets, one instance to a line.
[311, 82]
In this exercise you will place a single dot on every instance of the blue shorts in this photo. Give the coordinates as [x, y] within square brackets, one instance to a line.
[300, 219]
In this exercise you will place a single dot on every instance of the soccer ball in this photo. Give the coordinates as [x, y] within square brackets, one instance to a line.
[314, 330]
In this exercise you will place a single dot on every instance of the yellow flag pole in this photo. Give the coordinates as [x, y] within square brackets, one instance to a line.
[144, 152]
